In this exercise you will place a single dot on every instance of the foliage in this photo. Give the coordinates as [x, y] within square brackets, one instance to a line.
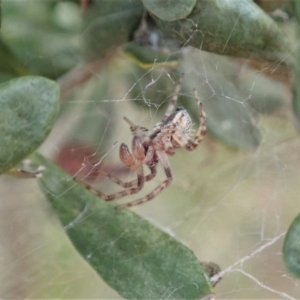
[59, 43]
[29, 107]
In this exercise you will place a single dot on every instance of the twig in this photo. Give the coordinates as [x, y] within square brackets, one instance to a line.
[80, 74]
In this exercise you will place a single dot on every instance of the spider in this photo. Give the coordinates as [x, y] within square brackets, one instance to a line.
[150, 148]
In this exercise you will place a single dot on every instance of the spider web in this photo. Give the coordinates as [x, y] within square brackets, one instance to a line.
[228, 205]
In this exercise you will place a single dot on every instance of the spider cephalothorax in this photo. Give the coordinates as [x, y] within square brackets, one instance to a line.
[149, 148]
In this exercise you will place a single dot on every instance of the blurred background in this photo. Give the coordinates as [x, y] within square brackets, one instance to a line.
[232, 199]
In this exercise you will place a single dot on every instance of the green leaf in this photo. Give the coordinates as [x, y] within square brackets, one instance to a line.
[296, 94]
[170, 10]
[291, 248]
[270, 6]
[110, 24]
[264, 94]
[296, 9]
[29, 106]
[135, 258]
[229, 118]
[10, 65]
[231, 27]
[154, 96]
[146, 57]
[44, 44]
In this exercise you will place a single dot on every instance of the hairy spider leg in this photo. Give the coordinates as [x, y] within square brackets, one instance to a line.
[163, 158]
[192, 145]
[133, 162]
[149, 160]
[130, 183]
[118, 195]
[173, 101]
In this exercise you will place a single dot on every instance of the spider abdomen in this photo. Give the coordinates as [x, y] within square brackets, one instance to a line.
[183, 121]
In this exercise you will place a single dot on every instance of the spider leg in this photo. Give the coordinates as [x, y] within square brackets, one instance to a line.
[147, 159]
[192, 145]
[133, 182]
[134, 162]
[164, 161]
[152, 174]
[173, 101]
[133, 190]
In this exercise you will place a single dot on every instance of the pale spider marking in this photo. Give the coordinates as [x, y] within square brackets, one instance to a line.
[174, 131]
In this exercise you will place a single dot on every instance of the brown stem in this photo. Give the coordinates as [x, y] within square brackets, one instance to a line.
[80, 74]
